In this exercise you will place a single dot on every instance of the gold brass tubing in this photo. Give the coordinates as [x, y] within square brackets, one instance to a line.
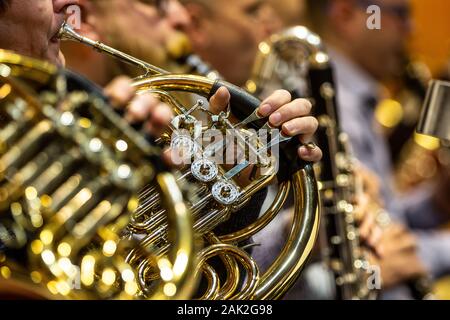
[157, 228]
[249, 264]
[148, 204]
[304, 231]
[158, 218]
[157, 231]
[230, 286]
[262, 182]
[210, 220]
[20, 285]
[231, 283]
[151, 189]
[28, 144]
[23, 92]
[56, 173]
[36, 166]
[105, 212]
[27, 68]
[212, 292]
[68, 190]
[30, 172]
[182, 241]
[263, 221]
[187, 83]
[199, 205]
[182, 265]
[14, 187]
[76, 207]
[67, 33]
[145, 266]
[134, 255]
[154, 220]
[145, 196]
[169, 100]
[149, 193]
[11, 133]
[252, 278]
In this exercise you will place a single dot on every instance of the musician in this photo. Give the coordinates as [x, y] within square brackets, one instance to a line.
[26, 32]
[290, 11]
[293, 115]
[363, 58]
[30, 28]
[146, 30]
[112, 24]
[241, 24]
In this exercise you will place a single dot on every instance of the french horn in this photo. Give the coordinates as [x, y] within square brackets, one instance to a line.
[218, 194]
[70, 174]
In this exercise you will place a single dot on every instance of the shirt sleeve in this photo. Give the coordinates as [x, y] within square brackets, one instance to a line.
[420, 211]
[434, 251]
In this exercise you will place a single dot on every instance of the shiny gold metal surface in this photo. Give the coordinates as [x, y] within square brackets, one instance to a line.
[208, 213]
[70, 174]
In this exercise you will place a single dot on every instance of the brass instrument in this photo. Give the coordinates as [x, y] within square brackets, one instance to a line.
[434, 122]
[295, 60]
[218, 192]
[436, 114]
[416, 157]
[70, 173]
[419, 158]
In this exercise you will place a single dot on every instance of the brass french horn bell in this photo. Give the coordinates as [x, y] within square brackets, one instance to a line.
[70, 173]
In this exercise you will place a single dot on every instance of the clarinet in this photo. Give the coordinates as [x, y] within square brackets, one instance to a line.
[295, 60]
[346, 261]
[342, 251]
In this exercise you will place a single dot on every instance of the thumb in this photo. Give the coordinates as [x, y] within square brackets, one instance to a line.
[219, 101]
